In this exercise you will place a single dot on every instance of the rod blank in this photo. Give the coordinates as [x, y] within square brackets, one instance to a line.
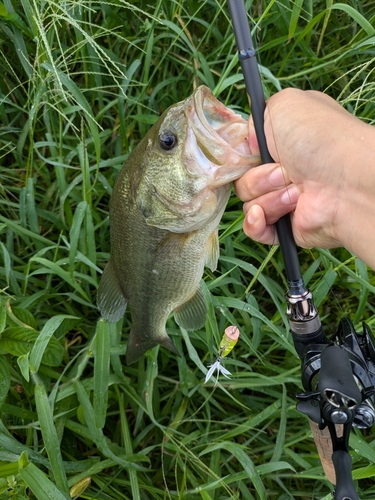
[247, 57]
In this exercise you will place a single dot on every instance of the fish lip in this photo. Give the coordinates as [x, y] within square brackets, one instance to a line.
[199, 96]
[218, 149]
[205, 103]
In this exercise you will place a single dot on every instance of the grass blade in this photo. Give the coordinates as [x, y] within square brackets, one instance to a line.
[50, 439]
[356, 16]
[296, 11]
[101, 371]
[239, 453]
[38, 482]
[43, 338]
[4, 379]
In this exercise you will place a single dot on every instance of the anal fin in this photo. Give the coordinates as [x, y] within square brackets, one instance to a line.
[191, 315]
[110, 299]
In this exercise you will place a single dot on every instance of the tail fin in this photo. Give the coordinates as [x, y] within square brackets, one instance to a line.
[137, 347]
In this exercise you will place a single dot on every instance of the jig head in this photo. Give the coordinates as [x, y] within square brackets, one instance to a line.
[227, 343]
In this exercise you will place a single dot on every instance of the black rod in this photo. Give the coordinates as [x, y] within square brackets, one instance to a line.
[247, 57]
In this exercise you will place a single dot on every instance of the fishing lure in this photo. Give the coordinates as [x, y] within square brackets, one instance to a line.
[227, 343]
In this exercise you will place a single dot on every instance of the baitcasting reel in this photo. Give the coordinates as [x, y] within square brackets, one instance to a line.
[339, 378]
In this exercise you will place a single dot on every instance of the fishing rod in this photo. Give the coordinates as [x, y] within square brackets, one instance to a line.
[338, 373]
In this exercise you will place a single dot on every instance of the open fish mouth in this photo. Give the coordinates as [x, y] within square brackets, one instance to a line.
[216, 127]
[217, 146]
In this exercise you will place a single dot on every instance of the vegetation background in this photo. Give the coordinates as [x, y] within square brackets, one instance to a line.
[81, 82]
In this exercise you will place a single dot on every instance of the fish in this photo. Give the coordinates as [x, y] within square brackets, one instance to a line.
[164, 214]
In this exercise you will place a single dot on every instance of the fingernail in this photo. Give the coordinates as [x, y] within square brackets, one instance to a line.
[291, 195]
[277, 177]
[251, 218]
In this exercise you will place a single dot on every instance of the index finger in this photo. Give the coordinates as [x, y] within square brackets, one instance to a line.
[259, 181]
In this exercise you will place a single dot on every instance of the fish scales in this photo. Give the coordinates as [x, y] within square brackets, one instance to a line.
[164, 213]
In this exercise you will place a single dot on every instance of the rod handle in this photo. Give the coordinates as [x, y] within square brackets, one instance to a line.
[323, 443]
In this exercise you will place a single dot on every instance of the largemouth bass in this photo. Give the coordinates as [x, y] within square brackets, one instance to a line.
[165, 210]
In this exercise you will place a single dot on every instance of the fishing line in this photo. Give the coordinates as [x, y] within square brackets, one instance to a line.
[223, 348]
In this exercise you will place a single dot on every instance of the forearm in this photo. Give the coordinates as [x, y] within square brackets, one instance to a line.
[355, 220]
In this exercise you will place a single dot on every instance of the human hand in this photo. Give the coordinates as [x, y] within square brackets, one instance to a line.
[318, 148]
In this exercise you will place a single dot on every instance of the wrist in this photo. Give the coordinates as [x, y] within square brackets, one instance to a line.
[355, 219]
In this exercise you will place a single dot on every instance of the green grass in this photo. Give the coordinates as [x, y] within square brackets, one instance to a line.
[81, 83]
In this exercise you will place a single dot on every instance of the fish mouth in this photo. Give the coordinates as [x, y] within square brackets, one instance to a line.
[218, 127]
[218, 138]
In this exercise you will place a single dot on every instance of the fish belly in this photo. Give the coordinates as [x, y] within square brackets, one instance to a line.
[157, 271]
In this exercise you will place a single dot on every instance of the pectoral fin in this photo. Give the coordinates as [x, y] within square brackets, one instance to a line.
[110, 299]
[191, 315]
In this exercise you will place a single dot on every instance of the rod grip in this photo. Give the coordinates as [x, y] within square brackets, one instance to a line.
[323, 444]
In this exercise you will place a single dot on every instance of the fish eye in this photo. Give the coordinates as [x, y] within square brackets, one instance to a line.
[167, 140]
